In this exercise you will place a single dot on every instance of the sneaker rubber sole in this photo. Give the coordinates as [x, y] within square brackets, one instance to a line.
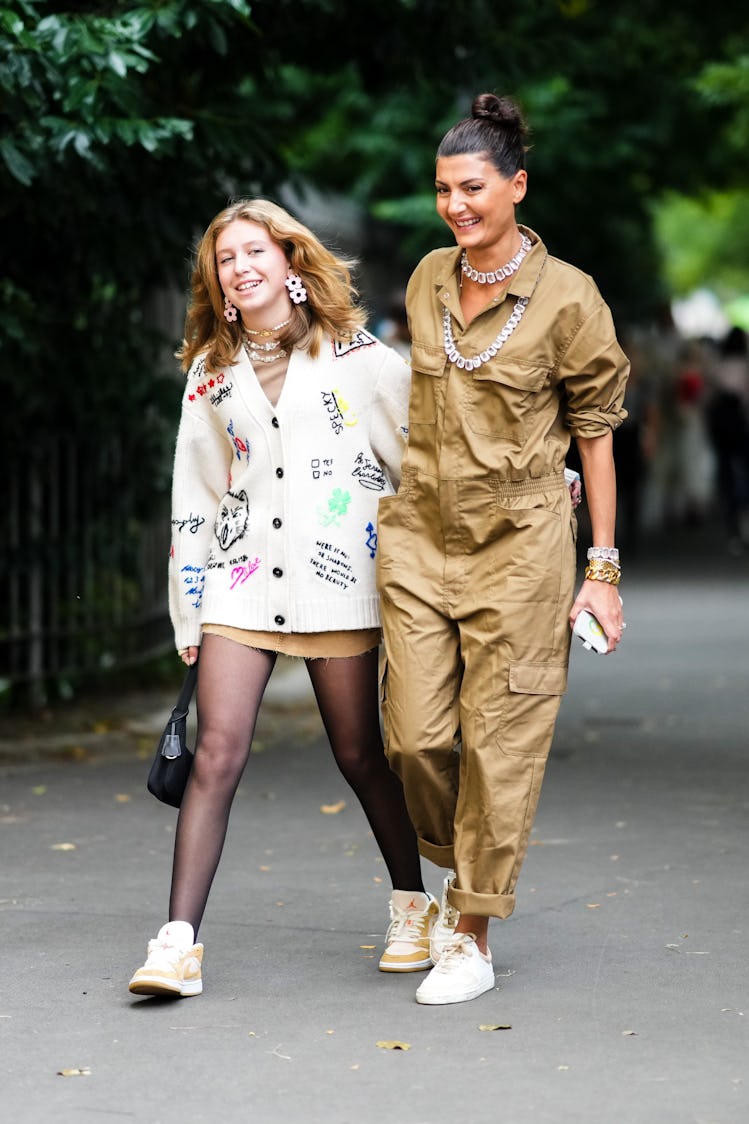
[157, 985]
[410, 966]
[440, 999]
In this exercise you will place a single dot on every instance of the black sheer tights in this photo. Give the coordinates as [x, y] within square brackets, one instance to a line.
[347, 695]
[231, 684]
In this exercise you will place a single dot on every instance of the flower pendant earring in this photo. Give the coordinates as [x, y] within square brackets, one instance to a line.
[296, 288]
[230, 312]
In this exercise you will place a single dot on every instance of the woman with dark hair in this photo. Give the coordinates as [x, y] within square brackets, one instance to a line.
[513, 353]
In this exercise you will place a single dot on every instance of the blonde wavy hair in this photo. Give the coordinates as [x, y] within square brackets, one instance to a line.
[330, 307]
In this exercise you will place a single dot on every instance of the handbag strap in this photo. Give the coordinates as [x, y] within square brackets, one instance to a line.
[188, 686]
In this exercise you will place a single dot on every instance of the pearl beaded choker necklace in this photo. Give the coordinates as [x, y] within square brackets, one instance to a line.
[500, 274]
[267, 331]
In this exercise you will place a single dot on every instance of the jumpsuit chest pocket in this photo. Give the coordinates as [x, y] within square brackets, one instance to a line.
[500, 400]
[427, 384]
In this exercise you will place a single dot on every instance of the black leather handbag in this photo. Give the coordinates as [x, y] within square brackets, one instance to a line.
[170, 768]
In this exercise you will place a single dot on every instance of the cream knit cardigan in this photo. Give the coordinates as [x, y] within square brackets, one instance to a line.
[274, 509]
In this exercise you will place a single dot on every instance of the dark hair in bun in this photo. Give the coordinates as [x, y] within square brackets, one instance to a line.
[495, 129]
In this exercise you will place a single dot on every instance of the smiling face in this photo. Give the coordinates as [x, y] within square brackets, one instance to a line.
[252, 270]
[478, 203]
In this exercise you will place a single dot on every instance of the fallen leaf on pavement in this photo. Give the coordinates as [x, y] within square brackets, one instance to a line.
[39, 790]
[83, 1072]
[122, 798]
[332, 809]
[62, 847]
[495, 1026]
[386, 1044]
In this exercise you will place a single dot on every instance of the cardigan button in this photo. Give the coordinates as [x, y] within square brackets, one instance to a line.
[277, 572]
[277, 523]
[279, 619]
[279, 473]
[274, 422]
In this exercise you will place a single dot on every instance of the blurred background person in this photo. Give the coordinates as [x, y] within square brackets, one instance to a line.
[727, 419]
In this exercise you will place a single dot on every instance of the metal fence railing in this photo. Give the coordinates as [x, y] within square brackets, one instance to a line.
[83, 571]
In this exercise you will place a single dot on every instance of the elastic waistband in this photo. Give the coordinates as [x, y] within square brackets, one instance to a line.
[531, 485]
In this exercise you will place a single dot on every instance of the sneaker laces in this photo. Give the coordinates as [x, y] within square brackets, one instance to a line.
[455, 949]
[163, 955]
[404, 925]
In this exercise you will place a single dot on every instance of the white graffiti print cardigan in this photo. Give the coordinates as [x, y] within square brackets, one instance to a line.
[274, 508]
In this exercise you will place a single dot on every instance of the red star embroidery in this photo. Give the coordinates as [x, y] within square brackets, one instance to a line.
[201, 389]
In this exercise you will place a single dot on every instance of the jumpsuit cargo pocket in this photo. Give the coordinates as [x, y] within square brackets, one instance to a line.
[395, 514]
[530, 709]
[427, 369]
[500, 400]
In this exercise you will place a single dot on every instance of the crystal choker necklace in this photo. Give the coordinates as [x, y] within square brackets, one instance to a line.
[500, 274]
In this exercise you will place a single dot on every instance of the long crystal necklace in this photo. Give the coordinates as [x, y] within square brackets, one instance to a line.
[452, 353]
[500, 274]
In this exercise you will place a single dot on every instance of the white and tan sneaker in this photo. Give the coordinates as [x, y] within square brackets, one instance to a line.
[173, 966]
[444, 928]
[412, 916]
[462, 972]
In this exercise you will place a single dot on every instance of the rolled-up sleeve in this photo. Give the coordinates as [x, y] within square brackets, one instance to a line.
[593, 372]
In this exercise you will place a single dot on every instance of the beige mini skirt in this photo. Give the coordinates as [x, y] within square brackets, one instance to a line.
[306, 645]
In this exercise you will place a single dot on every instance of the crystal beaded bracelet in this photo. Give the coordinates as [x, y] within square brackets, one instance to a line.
[605, 553]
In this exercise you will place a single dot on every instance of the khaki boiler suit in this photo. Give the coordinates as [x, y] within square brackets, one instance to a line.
[476, 559]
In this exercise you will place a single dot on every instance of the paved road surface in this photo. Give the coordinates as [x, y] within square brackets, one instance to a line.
[622, 990]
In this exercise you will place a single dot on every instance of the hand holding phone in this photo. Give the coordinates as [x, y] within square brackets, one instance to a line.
[589, 629]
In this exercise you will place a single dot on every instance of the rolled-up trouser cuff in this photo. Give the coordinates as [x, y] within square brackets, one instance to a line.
[483, 905]
[440, 856]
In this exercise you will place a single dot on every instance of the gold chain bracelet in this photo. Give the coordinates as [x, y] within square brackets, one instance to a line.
[601, 570]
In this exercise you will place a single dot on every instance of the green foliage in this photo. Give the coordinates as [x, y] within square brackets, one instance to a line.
[617, 112]
[703, 242]
[726, 84]
[124, 127]
[113, 147]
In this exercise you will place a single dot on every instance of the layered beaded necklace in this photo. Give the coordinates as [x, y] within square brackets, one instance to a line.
[264, 352]
[495, 275]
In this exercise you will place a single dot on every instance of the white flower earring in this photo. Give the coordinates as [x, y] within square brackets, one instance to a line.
[296, 288]
[230, 312]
